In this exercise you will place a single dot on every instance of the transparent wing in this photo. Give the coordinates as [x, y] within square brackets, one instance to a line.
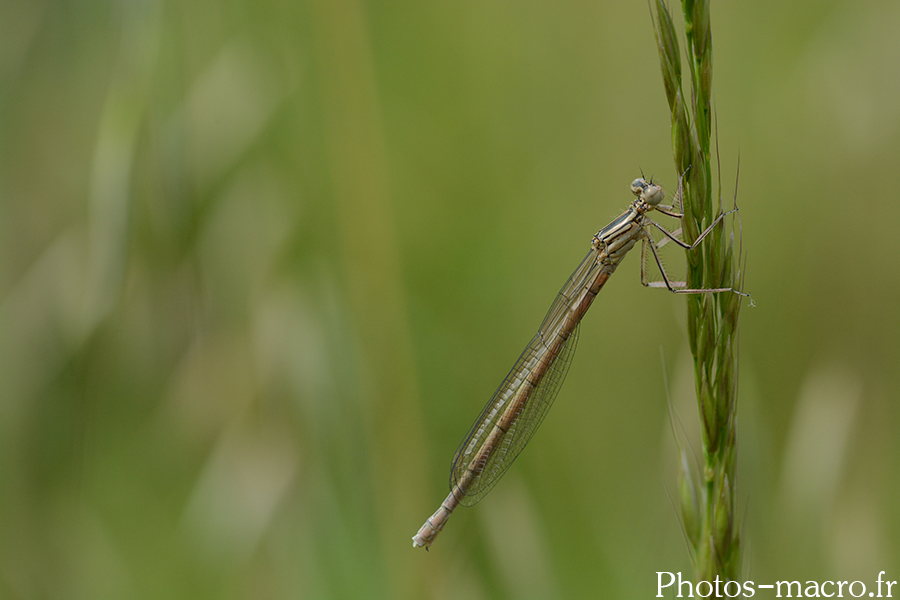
[516, 409]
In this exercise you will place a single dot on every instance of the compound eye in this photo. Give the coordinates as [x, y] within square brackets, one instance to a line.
[652, 194]
[638, 186]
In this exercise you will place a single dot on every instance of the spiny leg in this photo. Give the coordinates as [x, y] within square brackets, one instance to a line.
[699, 239]
[676, 287]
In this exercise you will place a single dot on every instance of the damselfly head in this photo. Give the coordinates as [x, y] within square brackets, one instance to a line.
[648, 192]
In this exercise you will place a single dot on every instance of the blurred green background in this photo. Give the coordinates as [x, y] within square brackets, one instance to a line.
[264, 262]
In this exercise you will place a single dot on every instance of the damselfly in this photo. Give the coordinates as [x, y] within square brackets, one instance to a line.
[519, 405]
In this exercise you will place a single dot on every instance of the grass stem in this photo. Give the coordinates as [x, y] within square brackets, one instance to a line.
[708, 498]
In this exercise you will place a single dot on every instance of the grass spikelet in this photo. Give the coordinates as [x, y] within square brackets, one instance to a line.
[708, 498]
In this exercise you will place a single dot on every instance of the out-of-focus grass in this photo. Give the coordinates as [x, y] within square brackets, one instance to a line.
[262, 263]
